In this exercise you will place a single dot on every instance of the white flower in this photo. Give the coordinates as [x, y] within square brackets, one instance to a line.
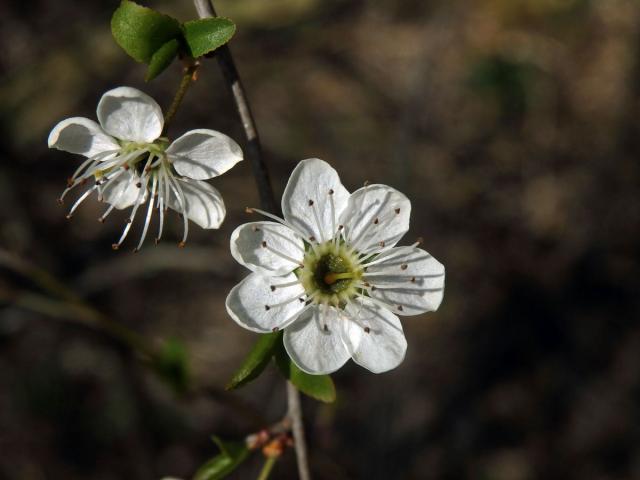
[129, 163]
[329, 273]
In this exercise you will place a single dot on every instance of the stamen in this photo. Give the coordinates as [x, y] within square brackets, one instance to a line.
[116, 200]
[139, 198]
[275, 218]
[80, 200]
[285, 302]
[154, 184]
[317, 220]
[283, 285]
[280, 254]
[177, 189]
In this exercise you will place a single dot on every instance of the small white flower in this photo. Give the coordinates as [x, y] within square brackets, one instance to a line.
[329, 273]
[129, 163]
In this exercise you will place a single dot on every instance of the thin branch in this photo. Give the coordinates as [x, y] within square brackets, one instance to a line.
[188, 76]
[254, 150]
[206, 9]
[266, 469]
[297, 427]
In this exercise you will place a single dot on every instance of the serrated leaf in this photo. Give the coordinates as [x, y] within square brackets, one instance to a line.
[320, 387]
[141, 31]
[232, 454]
[172, 365]
[207, 34]
[256, 361]
[162, 59]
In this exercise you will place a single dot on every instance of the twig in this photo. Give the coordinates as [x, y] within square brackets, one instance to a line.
[206, 9]
[188, 76]
[295, 414]
[254, 150]
[267, 467]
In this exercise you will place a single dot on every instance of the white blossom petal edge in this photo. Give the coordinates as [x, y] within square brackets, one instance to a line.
[128, 164]
[330, 275]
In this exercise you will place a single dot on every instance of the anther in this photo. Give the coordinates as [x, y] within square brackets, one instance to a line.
[69, 182]
[340, 227]
[376, 221]
[139, 184]
[69, 217]
[275, 329]
[129, 220]
[182, 244]
[312, 238]
[248, 210]
[325, 328]
[367, 330]
[397, 210]
[264, 244]
[413, 279]
[101, 220]
[156, 241]
[404, 266]
[115, 246]
[273, 288]
[136, 250]
[367, 284]
[373, 287]
[366, 183]
[267, 308]
[420, 240]
[126, 167]
[301, 300]
[311, 203]
[60, 201]
[255, 229]
[381, 243]
[400, 308]
[331, 192]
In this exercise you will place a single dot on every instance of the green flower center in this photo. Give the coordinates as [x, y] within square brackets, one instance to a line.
[331, 273]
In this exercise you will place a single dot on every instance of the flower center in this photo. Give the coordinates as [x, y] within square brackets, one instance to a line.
[330, 273]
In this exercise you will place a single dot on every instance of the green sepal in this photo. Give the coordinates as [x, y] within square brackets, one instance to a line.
[256, 361]
[320, 387]
[141, 31]
[232, 454]
[205, 35]
[172, 365]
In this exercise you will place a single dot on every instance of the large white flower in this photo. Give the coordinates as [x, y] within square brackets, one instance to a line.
[329, 273]
[129, 163]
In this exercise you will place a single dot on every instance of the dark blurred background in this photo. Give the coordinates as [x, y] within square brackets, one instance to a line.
[513, 127]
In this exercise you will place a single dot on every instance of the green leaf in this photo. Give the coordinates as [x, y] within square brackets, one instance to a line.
[162, 59]
[140, 31]
[256, 361]
[172, 365]
[205, 35]
[320, 387]
[232, 454]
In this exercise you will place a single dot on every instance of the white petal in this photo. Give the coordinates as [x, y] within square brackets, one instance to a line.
[314, 342]
[204, 204]
[376, 216]
[308, 190]
[248, 301]
[409, 279]
[202, 154]
[129, 114]
[122, 192]
[267, 247]
[383, 345]
[81, 136]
